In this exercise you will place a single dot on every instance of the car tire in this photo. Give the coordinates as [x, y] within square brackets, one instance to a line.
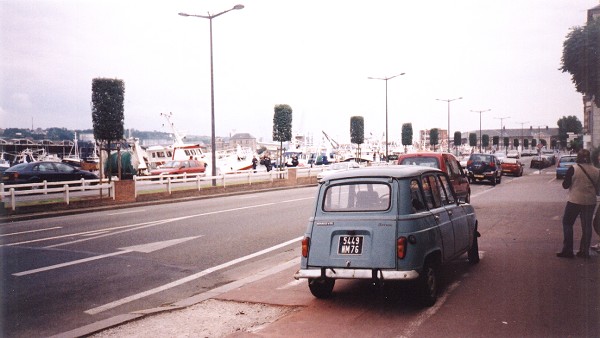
[321, 288]
[500, 178]
[427, 284]
[473, 253]
[494, 180]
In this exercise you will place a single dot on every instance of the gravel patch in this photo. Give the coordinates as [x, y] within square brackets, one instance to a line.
[210, 318]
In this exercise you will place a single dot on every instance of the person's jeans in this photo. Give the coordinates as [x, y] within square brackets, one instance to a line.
[586, 214]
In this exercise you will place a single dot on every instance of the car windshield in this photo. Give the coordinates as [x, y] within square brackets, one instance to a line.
[431, 162]
[357, 197]
[482, 158]
[171, 164]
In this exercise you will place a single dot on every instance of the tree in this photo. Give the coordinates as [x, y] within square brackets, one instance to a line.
[516, 143]
[581, 58]
[495, 140]
[533, 143]
[568, 124]
[526, 143]
[407, 135]
[108, 118]
[357, 133]
[472, 139]
[434, 137]
[457, 139]
[506, 142]
[485, 140]
[282, 127]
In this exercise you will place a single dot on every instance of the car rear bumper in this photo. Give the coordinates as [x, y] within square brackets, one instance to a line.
[342, 273]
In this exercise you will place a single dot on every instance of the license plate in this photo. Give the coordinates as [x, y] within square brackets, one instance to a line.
[350, 245]
[479, 176]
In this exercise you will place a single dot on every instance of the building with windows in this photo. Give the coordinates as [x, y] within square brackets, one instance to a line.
[591, 112]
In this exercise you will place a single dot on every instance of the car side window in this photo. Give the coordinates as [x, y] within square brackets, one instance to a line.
[447, 196]
[44, 167]
[431, 191]
[416, 197]
[453, 167]
[63, 168]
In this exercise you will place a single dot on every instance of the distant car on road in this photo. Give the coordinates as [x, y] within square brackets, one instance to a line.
[339, 166]
[512, 166]
[513, 154]
[500, 155]
[564, 162]
[37, 172]
[180, 167]
[540, 162]
[447, 163]
[484, 167]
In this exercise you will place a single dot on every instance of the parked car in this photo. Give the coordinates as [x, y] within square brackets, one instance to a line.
[551, 155]
[539, 162]
[180, 167]
[513, 154]
[36, 172]
[339, 166]
[564, 162]
[447, 163]
[512, 166]
[383, 224]
[484, 167]
[500, 155]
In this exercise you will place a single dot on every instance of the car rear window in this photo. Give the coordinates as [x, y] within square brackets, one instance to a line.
[431, 162]
[357, 197]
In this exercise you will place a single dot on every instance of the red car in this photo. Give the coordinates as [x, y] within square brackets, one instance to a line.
[512, 166]
[180, 167]
[447, 163]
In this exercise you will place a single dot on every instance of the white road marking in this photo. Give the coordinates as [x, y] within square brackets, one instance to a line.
[292, 284]
[127, 212]
[29, 231]
[144, 248]
[184, 280]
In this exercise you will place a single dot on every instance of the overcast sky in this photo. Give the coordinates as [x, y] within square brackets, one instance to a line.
[315, 56]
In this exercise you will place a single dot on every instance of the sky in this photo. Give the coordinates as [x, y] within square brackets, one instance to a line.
[316, 56]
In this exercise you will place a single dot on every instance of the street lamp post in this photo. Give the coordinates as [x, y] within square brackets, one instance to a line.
[448, 101]
[501, 119]
[522, 136]
[480, 111]
[386, 108]
[213, 142]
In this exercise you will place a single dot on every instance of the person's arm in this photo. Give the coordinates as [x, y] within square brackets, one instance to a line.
[568, 177]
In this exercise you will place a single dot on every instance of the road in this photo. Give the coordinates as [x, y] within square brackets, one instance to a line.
[66, 272]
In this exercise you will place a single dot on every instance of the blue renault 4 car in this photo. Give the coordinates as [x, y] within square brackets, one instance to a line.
[393, 223]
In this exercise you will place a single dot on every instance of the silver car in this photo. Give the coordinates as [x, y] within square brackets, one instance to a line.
[393, 223]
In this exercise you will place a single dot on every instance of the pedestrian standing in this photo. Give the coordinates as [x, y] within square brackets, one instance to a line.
[254, 163]
[582, 180]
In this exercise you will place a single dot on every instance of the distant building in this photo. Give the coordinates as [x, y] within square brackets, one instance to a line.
[244, 140]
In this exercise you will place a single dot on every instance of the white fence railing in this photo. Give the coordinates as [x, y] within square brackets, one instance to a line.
[44, 188]
[154, 183]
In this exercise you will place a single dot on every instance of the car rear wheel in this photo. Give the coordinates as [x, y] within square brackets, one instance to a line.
[427, 284]
[321, 287]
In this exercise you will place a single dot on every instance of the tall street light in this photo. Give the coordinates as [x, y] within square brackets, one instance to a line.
[213, 142]
[501, 120]
[386, 108]
[480, 111]
[448, 101]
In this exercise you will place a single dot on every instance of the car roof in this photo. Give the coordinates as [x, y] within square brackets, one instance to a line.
[395, 171]
[423, 154]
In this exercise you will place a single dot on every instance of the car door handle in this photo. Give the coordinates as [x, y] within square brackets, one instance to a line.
[437, 217]
[450, 212]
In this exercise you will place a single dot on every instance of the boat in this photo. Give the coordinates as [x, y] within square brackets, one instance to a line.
[73, 158]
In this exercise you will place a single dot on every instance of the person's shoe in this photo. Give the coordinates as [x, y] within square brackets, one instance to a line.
[564, 254]
[583, 255]
[595, 247]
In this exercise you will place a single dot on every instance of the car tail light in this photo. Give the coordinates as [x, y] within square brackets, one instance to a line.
[469, 162]
[401, 247]
[305, 246]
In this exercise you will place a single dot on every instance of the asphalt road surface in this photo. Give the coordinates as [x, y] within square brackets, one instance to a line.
[61, 273]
